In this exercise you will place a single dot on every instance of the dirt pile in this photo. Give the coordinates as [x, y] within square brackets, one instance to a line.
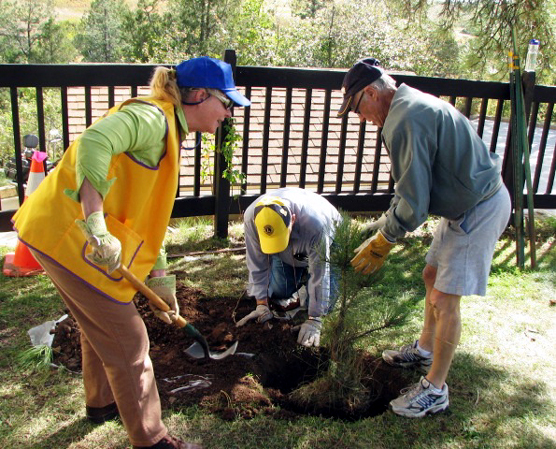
[268, 365]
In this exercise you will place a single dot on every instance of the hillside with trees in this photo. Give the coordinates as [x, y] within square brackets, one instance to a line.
[456, 39]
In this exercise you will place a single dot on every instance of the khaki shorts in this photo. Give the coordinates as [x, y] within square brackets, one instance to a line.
[462, 249]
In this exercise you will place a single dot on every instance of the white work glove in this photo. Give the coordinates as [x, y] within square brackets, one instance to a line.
[309, 332]
[107, 249]
[370, 228]
[303, 296]
[165, 287]
[262, 314]
[296, 300]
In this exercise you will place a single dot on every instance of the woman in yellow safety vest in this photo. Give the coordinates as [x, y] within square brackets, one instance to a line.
[108, 202]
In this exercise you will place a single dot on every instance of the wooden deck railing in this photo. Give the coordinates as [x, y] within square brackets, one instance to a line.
[291, 135]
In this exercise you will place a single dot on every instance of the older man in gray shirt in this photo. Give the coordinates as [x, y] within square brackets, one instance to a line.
[442, 167]
[288, 235]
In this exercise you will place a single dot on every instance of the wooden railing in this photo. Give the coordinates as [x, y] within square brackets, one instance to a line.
[291, 135]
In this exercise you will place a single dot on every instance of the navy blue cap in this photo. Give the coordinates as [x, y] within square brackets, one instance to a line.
[363, 73]
[205, 72]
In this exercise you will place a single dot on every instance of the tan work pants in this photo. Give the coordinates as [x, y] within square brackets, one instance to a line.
[116, 362]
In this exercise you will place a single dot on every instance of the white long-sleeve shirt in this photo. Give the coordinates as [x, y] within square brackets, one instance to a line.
[312, 235]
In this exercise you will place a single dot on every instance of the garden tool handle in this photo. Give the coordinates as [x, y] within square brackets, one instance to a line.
[157, 301]
[153, 298]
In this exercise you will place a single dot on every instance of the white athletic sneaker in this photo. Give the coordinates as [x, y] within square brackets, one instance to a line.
[408, 357]
[419, 400]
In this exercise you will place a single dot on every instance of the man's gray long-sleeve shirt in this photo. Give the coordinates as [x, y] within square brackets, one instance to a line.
[312, 232]
[439, 163]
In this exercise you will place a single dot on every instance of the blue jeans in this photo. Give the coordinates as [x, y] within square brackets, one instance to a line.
[284, 279]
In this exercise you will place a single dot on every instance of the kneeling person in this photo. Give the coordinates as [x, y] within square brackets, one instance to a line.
[288, 235]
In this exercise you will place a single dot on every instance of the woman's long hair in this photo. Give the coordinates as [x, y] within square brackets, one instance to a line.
[164, 86]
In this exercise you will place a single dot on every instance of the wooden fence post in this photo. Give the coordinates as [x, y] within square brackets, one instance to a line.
[17, 143]
[528, 83]
[528, 91]
[222, 186]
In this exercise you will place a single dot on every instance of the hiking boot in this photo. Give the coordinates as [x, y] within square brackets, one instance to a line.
[169, 442]
[420, 400]
[408, 357]
[100, 415]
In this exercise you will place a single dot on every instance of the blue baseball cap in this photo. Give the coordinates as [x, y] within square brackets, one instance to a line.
[205, 72]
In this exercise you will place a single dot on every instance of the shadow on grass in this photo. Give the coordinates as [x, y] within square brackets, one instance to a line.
[505, 258]
[489, 409]
[487, 402]
[547, 256]
[76, 432]
[193, 244]
[507, 262]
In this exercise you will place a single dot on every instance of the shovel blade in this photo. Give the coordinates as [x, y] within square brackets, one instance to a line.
[196, 351]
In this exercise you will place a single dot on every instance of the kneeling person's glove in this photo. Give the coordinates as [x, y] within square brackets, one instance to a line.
[309, 332]
[371, 254]
[165, 287]
[107, 249]
[262, 314]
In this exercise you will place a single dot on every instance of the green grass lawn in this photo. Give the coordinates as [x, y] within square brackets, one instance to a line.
[502, 382]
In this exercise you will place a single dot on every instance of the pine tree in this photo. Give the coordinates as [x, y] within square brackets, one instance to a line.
[359, 312]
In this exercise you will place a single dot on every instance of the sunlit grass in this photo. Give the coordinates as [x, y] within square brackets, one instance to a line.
[218, 275]
[502, 382]
[195, 234]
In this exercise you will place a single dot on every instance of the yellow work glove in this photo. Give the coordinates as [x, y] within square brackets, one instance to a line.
[370, 255]
[107, 249]
[165, 287]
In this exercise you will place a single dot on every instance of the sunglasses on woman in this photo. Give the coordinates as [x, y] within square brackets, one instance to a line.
[227, 102]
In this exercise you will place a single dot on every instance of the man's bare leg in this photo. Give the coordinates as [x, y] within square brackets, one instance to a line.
[426, 340]
[448, 332]
[441, 328]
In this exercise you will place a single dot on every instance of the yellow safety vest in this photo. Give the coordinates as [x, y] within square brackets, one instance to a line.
[137, 210]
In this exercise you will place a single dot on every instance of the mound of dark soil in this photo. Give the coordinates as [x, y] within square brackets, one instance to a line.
[268, 365]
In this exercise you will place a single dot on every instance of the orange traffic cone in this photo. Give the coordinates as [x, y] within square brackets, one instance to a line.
[22, 262]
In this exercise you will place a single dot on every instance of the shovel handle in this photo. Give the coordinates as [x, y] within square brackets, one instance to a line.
[153, 298]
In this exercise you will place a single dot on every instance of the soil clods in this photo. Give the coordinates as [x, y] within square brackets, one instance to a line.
[267, 367]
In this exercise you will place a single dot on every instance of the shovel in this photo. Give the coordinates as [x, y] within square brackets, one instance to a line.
[197, 350]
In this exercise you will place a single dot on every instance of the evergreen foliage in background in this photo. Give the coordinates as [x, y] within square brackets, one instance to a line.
[101, 38]
[29, 33]
[488, 24]
[455, 39]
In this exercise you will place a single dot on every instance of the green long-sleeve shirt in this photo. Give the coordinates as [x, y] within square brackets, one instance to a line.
[137, 128]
